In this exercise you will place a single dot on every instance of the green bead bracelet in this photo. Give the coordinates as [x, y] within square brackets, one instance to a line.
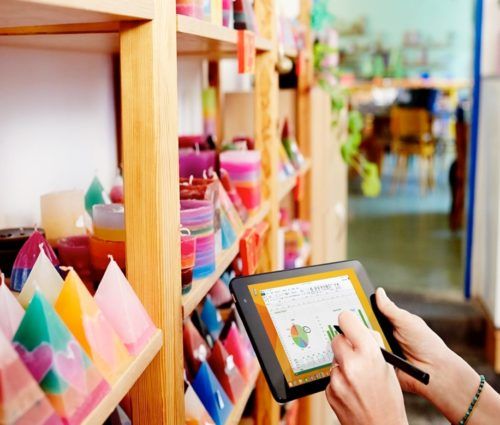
[473, 402]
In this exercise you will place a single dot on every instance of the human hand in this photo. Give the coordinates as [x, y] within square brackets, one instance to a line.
[363, 388]
[452, 381]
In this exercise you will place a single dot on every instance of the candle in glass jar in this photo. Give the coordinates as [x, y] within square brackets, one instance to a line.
[109, 222]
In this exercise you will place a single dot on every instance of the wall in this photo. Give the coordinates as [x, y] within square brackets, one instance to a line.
[486, 242]
[392, 18]
[57, 127]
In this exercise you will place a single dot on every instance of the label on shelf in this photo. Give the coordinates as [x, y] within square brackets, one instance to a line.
[246, 52]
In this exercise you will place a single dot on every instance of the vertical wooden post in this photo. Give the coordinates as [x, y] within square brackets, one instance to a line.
[305, 83]
[266, 123]
[150, 157]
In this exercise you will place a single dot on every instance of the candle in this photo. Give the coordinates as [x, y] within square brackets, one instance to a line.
[100, 250]
[74, 251]
[12, 312]
[236, 347]
[62, 214]
[83, 317]
[95, 195]
[44, 278]
[122, 308]
[22, 401]
[109, 222]
[11, 241]
[27, 257]
[195, 162]
[188, 249]
[116, 192]
[227, 13]
[58, 363]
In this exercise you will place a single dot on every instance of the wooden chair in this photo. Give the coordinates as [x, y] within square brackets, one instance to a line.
[411, 130]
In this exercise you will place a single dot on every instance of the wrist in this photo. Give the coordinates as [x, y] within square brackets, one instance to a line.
[452, 386]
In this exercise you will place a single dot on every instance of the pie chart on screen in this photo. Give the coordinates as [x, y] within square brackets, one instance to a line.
[299, 335]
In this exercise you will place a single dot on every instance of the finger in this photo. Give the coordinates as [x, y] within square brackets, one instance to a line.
[355, 331]
[338, 385]
[342, 349]
[389, 309]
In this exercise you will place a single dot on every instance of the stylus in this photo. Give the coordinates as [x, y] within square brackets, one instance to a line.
[400, 363]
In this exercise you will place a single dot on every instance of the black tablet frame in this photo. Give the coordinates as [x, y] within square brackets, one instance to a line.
[271, 368]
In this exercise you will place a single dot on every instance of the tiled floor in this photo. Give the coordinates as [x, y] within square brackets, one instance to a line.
[403, 239]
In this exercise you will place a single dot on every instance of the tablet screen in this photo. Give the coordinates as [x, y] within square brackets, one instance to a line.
[299, 315]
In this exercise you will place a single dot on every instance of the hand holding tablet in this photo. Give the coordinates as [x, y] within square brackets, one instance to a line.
[292, 318]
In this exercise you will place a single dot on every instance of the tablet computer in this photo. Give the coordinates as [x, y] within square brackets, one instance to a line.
[290, 317]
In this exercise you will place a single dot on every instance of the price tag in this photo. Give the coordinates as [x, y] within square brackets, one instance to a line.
[246, 52]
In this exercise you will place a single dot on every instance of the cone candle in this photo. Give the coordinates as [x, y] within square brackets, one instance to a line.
[71, 382]
[11, 241]
[81, 314]
[44, 277]
[21, 399]
[95, 195]
[26, 259]
[122, 308]
[11, 311]
[62, 214]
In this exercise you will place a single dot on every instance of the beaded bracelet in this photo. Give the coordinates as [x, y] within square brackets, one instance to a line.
[473, 402]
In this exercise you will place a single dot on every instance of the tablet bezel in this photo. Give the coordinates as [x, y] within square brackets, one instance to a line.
[260, 340]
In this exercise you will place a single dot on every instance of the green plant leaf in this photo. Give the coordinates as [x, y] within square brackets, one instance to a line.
[355, 121]
[371, 184]
[348, 153]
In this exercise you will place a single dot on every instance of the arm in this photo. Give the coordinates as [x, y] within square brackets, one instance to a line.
[453, 382]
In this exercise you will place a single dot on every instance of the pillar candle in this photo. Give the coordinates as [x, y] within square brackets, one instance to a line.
[109, 222]
[85, 320]
[74, 251]
[63, 214]
[122, 308]
[43, 277]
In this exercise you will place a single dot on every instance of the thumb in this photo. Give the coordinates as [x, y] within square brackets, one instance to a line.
[389, 309]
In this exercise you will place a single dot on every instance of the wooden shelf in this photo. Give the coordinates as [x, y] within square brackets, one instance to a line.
[239, 407]
[287, 185]
[198, 37]
[126, 381]
[201, 287]
[23, 13]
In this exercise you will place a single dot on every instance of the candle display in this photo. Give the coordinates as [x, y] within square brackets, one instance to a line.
[235, 346]
[81, 314]
[69, 379]
[212, 395]
[11, 311]
[119, 303]
[109, 222]
[27, 257]
[192, 8]
[195, 412]
[226, 371]
[43, 277]
[11, 241]
[198, 217]
[95, 195]
[75, 252]
[196, 350]
[21, 399]
[244, 169]
[62, 214]
[188, 249]
[212, 318]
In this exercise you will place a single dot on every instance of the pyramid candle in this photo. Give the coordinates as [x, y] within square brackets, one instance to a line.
[11, 311]
[21, 399]
[43, 276]
[27, 257]
[81, 314]
[69, 379]
[122, 308]
[95, 195]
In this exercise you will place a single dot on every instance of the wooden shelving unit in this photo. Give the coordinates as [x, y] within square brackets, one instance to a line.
[237, 412]
[149, 38]
[126, 381]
